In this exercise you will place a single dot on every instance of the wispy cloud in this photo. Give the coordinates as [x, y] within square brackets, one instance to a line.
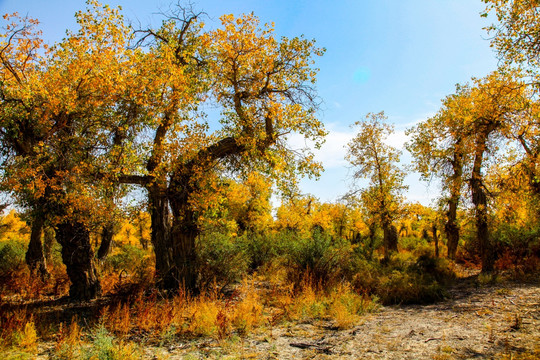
[397, 139]
[332, 152]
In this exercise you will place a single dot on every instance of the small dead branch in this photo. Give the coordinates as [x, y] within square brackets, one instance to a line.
[325, 349]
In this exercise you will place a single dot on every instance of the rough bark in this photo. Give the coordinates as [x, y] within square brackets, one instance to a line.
[479, 199]
[107, 233]
[184, 232]
[185, 267]
[48, 242]
[161, 237]
[35, 257]
[451, 228]
[176, 257]
[78, 257]
[390, 238]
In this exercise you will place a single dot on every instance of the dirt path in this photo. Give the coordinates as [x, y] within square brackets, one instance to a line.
[474, 323]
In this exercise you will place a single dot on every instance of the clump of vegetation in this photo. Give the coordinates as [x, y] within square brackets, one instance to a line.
[320, 258]
[222, 260]
[11, 257]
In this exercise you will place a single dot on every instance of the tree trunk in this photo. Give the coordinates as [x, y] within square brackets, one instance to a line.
[48, 243]
[185, 269]
[78, 257]
[161, 237]
[390, 239]
[142, 239]
[107, 233]
[35, 258]
[435, 240]
[451, 227]
[479, 199]
[184, 233]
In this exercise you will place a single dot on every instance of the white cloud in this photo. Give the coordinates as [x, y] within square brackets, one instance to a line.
[334, 182]
[397, 139]
[332, 152]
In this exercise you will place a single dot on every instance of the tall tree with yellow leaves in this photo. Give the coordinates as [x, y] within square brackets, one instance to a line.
[375, 160]
[58, 116]
[265, 89]
[439, 146]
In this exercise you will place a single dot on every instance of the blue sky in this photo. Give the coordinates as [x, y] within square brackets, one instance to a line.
[400, 56]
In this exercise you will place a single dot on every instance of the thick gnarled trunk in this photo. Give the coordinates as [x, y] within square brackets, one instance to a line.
[174, 245]
[78, 257]
[48, 242]
[185, 269]
[35, 257]
[160, 236]
[184, 231]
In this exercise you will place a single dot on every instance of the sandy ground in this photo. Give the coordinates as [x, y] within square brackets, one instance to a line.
[475, 322]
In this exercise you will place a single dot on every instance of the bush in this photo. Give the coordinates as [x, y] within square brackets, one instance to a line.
[128, 258]
[320, 259]
[402, 287]
[408, 280]
[417, 246]
[11, 256]
[221, 260]
[103, 346]
[260, 249]
[405, 279]
[106, 347]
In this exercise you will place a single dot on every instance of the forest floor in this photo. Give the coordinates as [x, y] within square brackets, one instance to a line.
[496, 320]
[493, 321]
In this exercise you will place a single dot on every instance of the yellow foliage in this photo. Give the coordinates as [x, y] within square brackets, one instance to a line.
[248, 313]
[27, 338]
[14, 228]
[203, 315]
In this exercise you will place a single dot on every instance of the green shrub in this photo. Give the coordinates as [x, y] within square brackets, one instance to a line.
[408, 279]
[221, 260]
[521, 242]
[407, 287]
[366, 276]
[12, 255]
[321, 259]
[129, 258]
[103, 346]
[261, 249]
[106, 347]
[410, 243]
[365, 246]
[404, 279]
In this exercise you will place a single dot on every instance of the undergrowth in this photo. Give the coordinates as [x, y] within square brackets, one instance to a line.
[297, 278]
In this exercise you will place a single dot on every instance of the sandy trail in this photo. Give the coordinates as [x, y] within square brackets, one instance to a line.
[474, 323]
